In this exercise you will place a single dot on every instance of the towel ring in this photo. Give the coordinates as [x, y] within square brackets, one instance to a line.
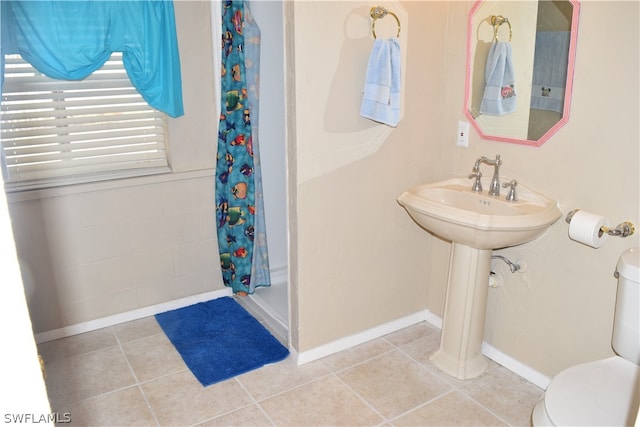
[378, 12]
[496, 21]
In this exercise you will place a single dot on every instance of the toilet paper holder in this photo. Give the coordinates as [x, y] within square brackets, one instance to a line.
[624, 229]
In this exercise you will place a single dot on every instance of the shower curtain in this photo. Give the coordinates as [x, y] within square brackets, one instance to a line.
[242, 237]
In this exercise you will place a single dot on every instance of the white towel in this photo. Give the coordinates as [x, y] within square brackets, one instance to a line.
[381, 101]
[499, 93]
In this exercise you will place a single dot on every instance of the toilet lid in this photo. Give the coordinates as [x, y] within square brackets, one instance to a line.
[605, 392]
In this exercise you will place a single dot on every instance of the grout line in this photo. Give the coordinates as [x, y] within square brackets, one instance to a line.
[365, 401]
[423, 404]
[135, 340]
[153, 413]
[492, 412]
[73, 353]
[341, 370]
[264, 412]
[297, 386]
[163, 376]
[137, 380]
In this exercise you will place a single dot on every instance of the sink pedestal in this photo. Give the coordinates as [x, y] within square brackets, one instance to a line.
[476, 223]
[460, 352]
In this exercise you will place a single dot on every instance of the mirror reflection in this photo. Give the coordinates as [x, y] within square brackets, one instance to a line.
[520, 67]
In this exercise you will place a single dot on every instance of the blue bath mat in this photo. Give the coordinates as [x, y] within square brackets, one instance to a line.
[218, 339]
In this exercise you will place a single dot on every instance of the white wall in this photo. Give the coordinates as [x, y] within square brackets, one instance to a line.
[269, 17]
[22, 387]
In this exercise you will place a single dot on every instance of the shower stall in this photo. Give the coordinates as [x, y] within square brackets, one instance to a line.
[271, 304]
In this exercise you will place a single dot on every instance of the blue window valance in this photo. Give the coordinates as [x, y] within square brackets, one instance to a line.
[71, 39]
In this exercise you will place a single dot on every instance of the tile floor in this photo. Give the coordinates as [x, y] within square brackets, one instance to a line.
[130, 374]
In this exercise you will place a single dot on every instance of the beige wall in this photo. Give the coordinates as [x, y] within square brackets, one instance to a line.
[95, 250]
[560, 311]
[357, 259]
[361, 261]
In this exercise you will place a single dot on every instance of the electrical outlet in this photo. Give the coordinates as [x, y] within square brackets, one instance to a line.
[462, 138]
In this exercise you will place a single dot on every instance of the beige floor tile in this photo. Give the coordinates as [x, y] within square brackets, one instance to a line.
[90, 375]
[506, 394]
[137, 329]
[87, 375]
[325, 402]
[412, 333]
[278, 377]
[77, 344]
[393, 383]
[179, 399]
[358, 354]
[422, 348]
[452, 409]
[125, 407]
[153, 357]
[251, 416]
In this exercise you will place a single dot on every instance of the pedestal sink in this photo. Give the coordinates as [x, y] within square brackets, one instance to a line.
[475, 224]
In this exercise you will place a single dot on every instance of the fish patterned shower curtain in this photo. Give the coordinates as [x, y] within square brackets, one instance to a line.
[242, 238]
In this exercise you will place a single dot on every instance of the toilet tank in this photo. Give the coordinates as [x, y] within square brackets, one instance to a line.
[626, 324]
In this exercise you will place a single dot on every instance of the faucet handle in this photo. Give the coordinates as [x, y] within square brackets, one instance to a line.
[477, 185]
[511, 195]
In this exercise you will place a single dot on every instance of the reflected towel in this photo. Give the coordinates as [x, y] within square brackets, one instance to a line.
[499, 93]
[550, 70]
[381, 101]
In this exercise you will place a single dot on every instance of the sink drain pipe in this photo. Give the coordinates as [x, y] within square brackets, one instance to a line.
[512, 266]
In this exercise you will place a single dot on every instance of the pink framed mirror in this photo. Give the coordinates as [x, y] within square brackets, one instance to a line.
[520, 63]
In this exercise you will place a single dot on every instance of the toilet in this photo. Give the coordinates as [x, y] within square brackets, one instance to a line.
[605, 392]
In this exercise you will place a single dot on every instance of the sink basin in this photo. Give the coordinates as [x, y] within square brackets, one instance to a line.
[475, 223]
[450, 209]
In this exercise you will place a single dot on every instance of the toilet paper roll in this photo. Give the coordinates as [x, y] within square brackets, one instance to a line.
[585, 228]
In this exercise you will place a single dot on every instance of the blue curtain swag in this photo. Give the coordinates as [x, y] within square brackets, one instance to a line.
[71, 39]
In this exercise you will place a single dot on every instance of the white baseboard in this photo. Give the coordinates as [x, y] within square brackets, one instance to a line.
[359, 338]
[489, 351]
[516, 366]
[140, 313]
[433, 319]
[300, 358]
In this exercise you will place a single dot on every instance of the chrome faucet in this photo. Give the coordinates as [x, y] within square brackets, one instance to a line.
[512, 196]
[494, 186]
[477, 185]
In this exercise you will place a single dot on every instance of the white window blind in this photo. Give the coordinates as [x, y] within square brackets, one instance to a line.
[57, 132]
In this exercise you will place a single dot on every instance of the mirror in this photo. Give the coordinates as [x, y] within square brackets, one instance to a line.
[541, 55]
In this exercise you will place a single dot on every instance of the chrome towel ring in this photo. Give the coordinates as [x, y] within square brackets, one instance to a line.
[378, 12]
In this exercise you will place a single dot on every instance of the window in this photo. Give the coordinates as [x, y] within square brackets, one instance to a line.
[58, 132]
